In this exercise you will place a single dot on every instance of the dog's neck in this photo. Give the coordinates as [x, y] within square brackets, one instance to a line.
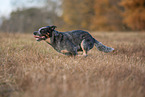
[50, 40]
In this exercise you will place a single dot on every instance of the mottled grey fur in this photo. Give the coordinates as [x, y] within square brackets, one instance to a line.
[70, 41]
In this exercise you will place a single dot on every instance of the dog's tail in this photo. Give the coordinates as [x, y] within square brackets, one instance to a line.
[102, 47]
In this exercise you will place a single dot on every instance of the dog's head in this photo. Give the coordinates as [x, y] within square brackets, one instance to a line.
[44, 32]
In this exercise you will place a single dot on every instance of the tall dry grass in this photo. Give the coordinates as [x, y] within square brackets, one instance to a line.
[33, 69]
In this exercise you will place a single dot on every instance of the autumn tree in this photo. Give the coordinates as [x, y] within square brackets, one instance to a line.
[77, 13]
[86, 13]
[70, 13]
[107, 15]
[134, 15]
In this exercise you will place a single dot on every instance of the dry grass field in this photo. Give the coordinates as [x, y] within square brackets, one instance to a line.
[34, 69]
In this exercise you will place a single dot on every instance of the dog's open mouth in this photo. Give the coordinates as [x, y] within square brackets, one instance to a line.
[38, 38]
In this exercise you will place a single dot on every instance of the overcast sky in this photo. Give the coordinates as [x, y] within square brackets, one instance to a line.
[6, 6]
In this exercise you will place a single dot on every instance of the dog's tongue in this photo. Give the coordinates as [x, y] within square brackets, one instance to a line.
[39, 37]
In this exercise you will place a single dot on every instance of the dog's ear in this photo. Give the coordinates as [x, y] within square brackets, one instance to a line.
[52, 27]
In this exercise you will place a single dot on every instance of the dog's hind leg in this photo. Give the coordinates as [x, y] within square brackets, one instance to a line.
[83, 46]
[86, 45]
[84, 51]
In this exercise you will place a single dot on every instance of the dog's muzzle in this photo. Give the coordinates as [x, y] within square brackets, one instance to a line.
[38, 37]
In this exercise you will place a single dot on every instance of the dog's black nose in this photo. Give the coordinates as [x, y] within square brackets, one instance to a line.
[35, 33]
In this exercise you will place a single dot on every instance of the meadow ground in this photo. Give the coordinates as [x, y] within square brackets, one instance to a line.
[34, 69]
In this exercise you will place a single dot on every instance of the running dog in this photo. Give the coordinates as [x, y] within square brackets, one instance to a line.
[70, 42]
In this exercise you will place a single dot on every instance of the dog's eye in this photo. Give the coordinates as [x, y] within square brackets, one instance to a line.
[42, 31]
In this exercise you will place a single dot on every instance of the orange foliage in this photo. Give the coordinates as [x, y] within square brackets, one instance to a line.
[104, 14]
[77, 14]
[107, 15]
[134, 15]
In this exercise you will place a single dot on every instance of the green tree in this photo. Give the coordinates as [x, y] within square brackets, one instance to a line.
[25, 20]
[28, 20]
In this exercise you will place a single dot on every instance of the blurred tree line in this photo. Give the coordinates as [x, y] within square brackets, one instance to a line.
[94, 15]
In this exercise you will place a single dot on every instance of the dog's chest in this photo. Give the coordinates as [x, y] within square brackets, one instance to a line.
[48, 40]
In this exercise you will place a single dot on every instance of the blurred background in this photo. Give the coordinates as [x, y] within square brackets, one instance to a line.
[25, 16]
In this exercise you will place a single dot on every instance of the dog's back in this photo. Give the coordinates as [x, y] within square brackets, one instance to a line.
[76, 36]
